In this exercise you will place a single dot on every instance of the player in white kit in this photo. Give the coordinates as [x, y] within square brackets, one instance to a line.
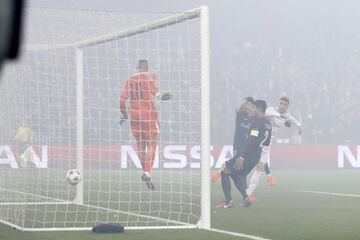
[279, 117]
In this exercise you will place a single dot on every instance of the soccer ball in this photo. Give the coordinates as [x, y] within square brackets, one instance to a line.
[73, 176]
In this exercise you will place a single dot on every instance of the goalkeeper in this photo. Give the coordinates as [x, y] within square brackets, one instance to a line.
[140, 89]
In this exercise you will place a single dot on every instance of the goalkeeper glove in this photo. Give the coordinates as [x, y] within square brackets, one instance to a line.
[123, 118]
[165, 97]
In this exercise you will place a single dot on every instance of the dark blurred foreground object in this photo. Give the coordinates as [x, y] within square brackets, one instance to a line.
[108, 228]
[11, 12]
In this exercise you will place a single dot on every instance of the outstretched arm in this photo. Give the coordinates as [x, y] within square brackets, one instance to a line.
[155, 91]
[297, 123]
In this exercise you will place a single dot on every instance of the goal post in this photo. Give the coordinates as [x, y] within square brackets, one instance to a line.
[79, 198]
[205, 120]
[65, 90]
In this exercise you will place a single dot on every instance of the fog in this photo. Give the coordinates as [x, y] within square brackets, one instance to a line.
[306, 50]
[60, 111]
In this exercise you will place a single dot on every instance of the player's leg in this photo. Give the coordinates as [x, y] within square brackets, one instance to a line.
[270, 178]
[259, 170]
[226, 187]
[150, 133]
[140, 144]
[240, 183]
[141, 149]
[267, 169]
[147, 167]
[24, 154]
[239, 179]
[216, 176]
[137, 131]
[226, 184]
[255, 180]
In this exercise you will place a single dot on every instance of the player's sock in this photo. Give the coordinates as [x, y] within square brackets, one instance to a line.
[267, 169]
[254, 181]
[216, 176]
[148, 174]
[240, 184]
[226, 186]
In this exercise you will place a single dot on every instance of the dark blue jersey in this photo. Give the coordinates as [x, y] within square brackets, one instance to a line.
[242, 127]
[258, 137]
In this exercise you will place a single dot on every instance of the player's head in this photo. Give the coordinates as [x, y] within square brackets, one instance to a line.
[143, 65]
[249, 99]
[260, 108]
[247, 104]
[283, 104]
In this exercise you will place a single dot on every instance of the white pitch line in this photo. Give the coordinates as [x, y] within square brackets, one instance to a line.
[334, 194]
[32, 195]
[34, 203]
[236, 234]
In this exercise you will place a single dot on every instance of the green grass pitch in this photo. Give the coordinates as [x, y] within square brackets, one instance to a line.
[281, 212]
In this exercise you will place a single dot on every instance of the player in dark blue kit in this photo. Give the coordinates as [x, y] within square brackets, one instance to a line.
[247, 158]
[242, 126]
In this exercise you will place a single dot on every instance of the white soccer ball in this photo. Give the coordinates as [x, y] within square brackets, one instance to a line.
[73, 176]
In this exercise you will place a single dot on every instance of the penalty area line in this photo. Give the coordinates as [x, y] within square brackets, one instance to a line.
[333, 194]
[236, 234]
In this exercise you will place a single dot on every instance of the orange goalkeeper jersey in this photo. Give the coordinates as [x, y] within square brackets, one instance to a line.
[140, 89]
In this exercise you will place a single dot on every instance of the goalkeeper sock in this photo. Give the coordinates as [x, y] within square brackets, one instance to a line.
[148, 174]
[254, 181]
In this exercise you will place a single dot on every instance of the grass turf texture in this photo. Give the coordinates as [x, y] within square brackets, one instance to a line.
[281, 212]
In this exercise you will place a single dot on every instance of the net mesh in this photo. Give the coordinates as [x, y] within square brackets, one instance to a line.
[39, 115]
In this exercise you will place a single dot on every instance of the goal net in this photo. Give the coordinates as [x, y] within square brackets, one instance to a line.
[60, 111]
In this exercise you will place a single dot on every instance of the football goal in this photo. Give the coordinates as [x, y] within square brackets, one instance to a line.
[60, 111]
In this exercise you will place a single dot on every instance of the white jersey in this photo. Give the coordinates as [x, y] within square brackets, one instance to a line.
[278, 120]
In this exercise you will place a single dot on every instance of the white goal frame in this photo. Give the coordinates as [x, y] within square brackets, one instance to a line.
[205, 221]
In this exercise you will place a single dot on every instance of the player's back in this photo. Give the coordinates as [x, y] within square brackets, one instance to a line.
[261, 131]
[141, 90]
[242, 127]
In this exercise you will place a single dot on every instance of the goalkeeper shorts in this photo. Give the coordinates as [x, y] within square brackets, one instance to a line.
[145, 130]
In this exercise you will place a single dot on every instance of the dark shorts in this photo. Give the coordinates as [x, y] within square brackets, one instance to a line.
[249, 164]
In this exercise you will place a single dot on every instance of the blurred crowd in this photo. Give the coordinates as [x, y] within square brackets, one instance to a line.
[317, 66]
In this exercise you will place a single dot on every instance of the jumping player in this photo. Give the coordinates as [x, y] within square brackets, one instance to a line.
[241, 165]
[278, 117]
[242, 125]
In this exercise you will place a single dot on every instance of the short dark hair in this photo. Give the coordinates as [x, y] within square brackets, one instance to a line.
[143, 63]
[285, 99]
[260, 104]
[249, 99]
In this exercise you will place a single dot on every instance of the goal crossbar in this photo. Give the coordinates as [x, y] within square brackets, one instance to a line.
[142, 28]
